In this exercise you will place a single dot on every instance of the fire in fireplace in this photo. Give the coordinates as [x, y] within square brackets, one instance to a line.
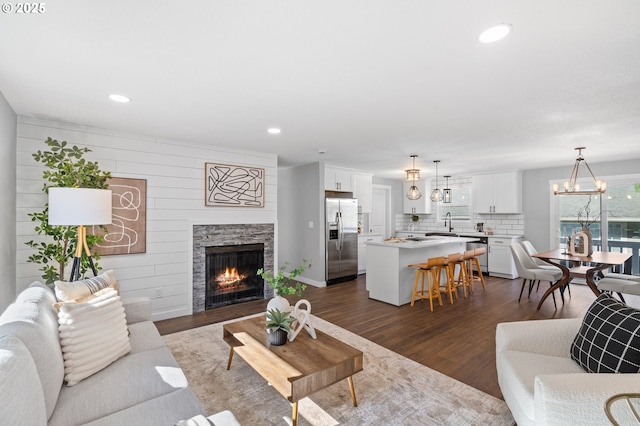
[231, 274]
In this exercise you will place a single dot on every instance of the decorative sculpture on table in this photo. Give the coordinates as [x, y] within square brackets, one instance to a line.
[302, 319]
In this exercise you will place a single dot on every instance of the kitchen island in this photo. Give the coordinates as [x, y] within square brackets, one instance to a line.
[389, 278]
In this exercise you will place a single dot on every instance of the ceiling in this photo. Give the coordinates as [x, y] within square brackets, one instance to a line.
[371, 82]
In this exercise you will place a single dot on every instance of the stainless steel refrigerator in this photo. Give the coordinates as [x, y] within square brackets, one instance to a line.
[341, 239]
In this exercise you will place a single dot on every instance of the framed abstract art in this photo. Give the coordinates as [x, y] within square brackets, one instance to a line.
[127, 233]
[233, 186]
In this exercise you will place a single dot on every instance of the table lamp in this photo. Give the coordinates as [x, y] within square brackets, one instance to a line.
[80, 207]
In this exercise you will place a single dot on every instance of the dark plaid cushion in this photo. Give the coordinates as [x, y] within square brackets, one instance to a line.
[609, 338]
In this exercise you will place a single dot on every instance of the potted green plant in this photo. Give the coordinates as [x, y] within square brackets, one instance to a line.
[284, 284]
[65, 167]
[414, 221]
[278, 326]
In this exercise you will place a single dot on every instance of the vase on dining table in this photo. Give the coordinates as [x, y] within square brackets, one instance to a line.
[589, 243]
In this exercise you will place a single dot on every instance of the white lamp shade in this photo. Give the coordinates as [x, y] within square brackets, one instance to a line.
[79, 206]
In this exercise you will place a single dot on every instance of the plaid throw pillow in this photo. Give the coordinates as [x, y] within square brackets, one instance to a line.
[609, 338]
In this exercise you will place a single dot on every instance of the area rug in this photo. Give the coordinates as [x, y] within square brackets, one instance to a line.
[391, 389]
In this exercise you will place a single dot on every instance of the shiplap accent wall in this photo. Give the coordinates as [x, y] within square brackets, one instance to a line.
[174, 171]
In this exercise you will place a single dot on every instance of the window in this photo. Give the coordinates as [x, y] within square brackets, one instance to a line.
[576, 210]
[616, 229]
[460, 206]
[623, 210]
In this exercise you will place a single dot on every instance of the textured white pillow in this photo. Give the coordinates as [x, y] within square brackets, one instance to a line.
[93, 334]
[67, 291]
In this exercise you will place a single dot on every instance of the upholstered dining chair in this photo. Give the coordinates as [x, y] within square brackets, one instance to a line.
[530, 251]
[527, 270]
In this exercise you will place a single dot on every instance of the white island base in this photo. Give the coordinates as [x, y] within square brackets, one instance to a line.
[389, 278]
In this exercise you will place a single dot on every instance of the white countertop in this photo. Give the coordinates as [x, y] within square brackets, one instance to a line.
[466, 234]
[406, 244]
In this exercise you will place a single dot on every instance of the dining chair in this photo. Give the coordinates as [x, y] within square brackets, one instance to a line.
[530, 251]
[528, 270]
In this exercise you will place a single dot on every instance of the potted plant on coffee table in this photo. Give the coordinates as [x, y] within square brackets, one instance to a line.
[278, 326]
[283, 285]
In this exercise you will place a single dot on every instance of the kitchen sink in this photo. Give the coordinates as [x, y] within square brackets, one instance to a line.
[436, 237]
[440, 234]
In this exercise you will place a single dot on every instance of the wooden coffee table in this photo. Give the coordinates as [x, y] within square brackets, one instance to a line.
[296, 369]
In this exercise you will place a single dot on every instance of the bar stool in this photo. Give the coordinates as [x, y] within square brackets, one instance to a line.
[453, 260]
[431, 269]
[475, 262]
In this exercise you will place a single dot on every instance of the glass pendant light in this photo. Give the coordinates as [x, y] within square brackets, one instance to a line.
[413, 193]
[436, 194]
[446, 192]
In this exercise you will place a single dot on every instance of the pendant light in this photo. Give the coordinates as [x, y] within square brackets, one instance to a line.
[436, 195]
[413, 193]
[571, 187]
[446, 192]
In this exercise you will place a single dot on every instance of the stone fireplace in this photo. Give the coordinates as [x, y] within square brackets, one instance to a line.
[238, 246]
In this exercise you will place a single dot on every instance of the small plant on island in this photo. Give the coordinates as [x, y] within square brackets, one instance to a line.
[279, 320]
[282, 284]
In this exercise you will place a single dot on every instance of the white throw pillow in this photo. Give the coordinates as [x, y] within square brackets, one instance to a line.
[93, 334]
[68, 291]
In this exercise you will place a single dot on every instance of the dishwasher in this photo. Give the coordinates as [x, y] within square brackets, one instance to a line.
[483, 242]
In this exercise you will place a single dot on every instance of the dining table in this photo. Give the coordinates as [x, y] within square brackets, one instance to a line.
[596, 262]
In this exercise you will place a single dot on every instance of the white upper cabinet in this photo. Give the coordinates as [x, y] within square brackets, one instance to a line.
[337, 179]
[420, 206]
[498, 193]
[363, 191]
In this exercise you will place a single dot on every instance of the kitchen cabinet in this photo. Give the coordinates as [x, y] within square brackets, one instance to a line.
[363, 191]
[498, 193]
[420, 206]
[338, 179]
[500, 260]
[363, 239]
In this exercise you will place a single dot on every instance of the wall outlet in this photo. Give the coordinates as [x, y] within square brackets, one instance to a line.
[158, 293]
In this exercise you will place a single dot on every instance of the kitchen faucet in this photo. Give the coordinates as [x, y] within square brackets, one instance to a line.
[448, 216]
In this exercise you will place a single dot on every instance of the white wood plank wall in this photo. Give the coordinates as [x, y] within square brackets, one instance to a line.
[174, 171]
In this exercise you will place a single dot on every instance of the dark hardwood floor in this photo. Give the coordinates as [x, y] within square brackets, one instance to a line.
[457, 340]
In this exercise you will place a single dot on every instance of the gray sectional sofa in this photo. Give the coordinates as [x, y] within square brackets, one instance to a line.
[145, 387]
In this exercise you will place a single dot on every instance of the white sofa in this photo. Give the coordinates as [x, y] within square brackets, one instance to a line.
[540, 382]
[145, 387]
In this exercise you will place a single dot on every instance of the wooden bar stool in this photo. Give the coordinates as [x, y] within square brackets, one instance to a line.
[475, 262]
[453, 260]
[431, 269]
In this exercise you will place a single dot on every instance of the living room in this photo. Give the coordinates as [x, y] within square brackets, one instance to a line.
[170, 153]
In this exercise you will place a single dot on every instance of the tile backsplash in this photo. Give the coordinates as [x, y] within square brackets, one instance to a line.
[501, 224]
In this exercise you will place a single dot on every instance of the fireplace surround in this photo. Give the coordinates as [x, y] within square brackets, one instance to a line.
[228, 235]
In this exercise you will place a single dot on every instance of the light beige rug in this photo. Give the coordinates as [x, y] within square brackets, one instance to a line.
[391, 390]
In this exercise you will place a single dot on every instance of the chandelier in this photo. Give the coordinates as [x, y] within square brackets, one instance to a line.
[413, 174]
[572, 187]
[436, 195]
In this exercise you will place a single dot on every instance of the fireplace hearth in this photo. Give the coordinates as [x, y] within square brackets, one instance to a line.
[231, 274]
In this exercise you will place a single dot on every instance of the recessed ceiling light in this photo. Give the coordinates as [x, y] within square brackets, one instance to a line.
[495, 33]
[322, 151]
[274, 131]
[119, 98]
